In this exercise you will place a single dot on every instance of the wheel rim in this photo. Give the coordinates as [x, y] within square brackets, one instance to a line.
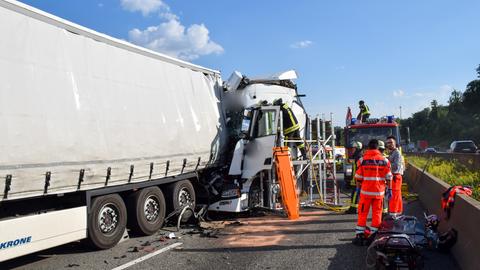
[151, 209]
[184, 198]
[108, 218]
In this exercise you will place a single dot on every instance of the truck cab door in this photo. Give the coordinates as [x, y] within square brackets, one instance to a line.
[258, 150]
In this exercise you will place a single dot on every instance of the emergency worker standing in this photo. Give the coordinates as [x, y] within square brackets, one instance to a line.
[372, 176]
[291, 127]
[398, 165]
[364, 113]
[381, 148]
[354, 196]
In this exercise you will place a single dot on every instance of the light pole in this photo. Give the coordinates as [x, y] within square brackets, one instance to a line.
[400, 112]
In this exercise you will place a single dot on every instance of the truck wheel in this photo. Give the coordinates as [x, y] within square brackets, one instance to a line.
[107, 221]
[254, 194]
[179, 195]
[146, 210]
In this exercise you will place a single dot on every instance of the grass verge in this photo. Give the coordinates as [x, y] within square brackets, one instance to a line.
[451, 172]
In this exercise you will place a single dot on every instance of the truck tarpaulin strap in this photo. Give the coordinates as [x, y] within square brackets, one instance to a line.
[448, 197]
[287, 181]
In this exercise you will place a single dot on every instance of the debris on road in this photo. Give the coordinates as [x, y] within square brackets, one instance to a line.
[142, 248]
[149, 249]
[210, 233]
[121, 257]
[212, 225]
[134, 249]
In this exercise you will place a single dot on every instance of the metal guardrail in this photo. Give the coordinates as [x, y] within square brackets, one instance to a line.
[471, 161]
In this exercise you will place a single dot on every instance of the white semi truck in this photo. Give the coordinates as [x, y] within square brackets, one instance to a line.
[250, 179]
[100, 135]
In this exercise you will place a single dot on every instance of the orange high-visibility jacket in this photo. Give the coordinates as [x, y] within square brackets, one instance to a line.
[372, 173]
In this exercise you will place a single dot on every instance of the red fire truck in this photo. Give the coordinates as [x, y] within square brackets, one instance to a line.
[363, 132]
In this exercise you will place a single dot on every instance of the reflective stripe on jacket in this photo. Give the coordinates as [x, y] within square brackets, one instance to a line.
[290, 122]
[364, 109]
[373, 171]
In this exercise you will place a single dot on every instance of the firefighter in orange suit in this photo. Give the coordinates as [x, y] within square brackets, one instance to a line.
[372, 176]
[395, 206]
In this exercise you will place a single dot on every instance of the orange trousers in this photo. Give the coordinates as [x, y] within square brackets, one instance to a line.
[395, 205]
[363, 208]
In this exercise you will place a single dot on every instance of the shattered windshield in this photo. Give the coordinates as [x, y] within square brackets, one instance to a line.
[265, 125]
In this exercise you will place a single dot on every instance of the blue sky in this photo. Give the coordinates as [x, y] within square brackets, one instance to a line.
[388, 53]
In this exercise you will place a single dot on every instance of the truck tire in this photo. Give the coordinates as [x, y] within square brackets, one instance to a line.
[178, 195]
[107, 221]
[146, 211]
[254, 194]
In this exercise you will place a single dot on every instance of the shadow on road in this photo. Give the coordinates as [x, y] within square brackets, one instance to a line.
[71, 248]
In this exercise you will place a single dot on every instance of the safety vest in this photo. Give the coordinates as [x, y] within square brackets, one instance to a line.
[373, 172]
[290, 122]
[364, 109]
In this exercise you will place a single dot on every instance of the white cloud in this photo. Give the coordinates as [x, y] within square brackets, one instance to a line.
[169, 16]
[144, 6]
[420, 99]
[301, 44]
[446, 89]
[398, 93]
[174, 39]
[171, 37]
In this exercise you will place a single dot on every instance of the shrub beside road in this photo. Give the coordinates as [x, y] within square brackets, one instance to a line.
[450, 171]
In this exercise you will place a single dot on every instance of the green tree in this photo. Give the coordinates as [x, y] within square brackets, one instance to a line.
[434, 112]
[340, 136]
[471, 96]
[440, 125]
[455, 101]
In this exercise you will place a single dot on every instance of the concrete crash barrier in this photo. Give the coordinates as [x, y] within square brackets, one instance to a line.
[465, 215]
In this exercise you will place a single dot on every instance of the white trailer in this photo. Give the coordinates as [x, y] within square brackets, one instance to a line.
[93, 125]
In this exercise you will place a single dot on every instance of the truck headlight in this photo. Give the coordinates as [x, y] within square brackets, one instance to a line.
[231, 193]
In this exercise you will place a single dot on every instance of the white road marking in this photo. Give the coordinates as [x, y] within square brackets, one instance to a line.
[146, 257]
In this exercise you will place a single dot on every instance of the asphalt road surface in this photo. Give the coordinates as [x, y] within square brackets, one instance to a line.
[320, 239]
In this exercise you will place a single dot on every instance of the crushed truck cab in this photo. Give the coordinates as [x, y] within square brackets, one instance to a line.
[255, 129]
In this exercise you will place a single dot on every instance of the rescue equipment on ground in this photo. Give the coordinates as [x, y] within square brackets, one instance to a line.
[401, 239]
[397, 244]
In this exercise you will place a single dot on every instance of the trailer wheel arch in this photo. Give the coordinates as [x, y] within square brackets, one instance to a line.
[107, 221]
